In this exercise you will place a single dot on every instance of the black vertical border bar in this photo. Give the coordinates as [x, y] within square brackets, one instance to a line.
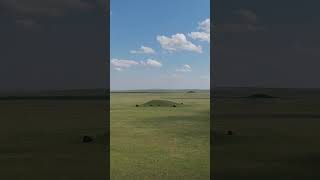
[107, 66]
[212, 84]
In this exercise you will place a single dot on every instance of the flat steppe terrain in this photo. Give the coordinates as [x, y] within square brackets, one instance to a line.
[156, 141]
[274, 138]
[42, 139]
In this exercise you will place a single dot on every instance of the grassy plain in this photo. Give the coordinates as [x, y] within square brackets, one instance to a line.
[42, 140]
[160, 142]
[274, 138]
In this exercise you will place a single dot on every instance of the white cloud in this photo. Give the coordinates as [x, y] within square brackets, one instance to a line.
[178, 42]
[118, 69]
[143, 50]
[205, 25]
[204, 34]
[120, 65]
[185, 68]
[151, 63]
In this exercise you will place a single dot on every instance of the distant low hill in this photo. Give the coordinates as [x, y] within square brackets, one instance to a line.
[191, 92]
[253, 92]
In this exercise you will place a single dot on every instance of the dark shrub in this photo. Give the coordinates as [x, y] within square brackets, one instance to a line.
[229, 133]
[87, 139]
[137, 105]
[174, 106]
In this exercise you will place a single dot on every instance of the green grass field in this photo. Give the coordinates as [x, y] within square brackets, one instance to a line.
[42, 140]
[160, 142]
[273, 138]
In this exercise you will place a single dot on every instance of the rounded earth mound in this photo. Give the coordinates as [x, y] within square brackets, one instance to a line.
[161, 103]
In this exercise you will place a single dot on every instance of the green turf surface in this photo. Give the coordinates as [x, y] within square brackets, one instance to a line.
[160, 143]
[42, 139]
[273, 138]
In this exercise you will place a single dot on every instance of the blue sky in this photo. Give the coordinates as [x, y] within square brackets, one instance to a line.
[160, 44]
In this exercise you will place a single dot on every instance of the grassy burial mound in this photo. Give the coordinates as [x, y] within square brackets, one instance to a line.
[191, 92]
[259, 95]
[161, 103]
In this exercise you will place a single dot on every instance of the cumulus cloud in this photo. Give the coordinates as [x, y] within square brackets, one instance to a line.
[205, 25]
[178, 42]
[143, 50]
[204, 34]
[118, 69]
[151, 63]
[122, 64]
[185, 68]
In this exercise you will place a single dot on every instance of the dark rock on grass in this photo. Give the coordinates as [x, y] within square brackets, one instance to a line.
[137, 105]
[229, 132]
[87, 139]
[259, 95]
[174, 106]
[191, 92]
